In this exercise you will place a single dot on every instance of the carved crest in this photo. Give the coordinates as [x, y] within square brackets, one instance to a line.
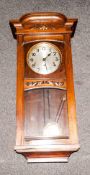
[44, 83]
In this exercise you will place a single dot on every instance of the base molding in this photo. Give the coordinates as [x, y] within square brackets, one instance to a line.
[59, 154]
[46, 156]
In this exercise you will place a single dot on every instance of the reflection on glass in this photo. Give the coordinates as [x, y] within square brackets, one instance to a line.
[51, 129]
[45, 113]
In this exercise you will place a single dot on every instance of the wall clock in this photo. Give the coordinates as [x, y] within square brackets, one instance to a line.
[45, 102]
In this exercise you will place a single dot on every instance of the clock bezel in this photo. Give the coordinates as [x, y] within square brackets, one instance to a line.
[40, 44]
[30, 74]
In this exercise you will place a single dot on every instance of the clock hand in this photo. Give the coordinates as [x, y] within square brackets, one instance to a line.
[49, 54]
[44, 59]
[45, 66]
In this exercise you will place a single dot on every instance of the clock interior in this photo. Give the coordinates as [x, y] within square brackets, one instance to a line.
[45, 113]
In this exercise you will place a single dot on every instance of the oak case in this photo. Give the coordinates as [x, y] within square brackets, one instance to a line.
[29, 30]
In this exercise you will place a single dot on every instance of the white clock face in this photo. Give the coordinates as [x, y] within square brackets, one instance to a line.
[44, 58]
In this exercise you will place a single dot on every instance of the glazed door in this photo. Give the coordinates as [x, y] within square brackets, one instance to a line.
[45, 113]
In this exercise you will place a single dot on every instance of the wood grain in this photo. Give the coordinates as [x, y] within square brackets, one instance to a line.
[30, 29]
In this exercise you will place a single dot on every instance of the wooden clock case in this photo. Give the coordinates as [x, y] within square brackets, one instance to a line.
[57, 29]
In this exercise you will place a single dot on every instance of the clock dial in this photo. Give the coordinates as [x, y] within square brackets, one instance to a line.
[44, 58]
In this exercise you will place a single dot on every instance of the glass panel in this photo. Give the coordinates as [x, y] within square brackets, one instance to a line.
[46, 113]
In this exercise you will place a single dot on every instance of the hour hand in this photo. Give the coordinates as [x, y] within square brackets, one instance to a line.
[44, 59]
[49, 54]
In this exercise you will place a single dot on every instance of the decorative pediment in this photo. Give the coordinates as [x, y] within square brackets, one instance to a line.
[43, 22]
